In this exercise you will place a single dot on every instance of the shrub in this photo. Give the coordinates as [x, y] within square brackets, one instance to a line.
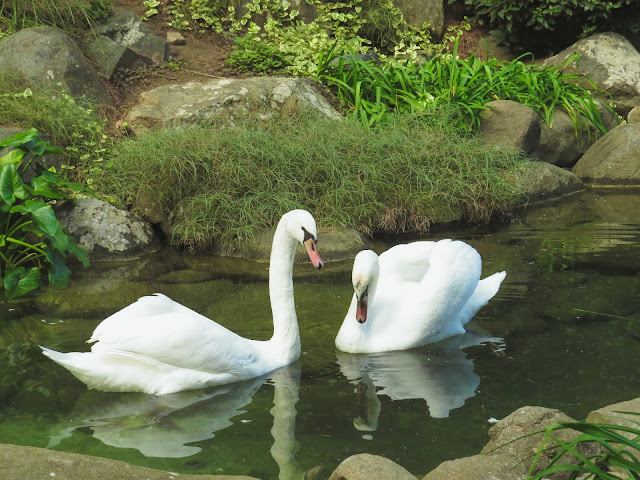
[252, 55]
[540, 25]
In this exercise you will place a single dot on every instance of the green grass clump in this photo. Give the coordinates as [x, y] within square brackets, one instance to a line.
[373, 90]
[225, 184]
[616, 447]
[67, 123]
[68, 15]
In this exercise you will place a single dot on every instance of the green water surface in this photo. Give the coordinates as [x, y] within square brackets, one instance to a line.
[567, 311]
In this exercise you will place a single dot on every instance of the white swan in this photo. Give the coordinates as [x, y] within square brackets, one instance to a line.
[414, 294]
[158, 346]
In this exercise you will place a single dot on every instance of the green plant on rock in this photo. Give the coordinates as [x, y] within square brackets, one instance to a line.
[373, 90]
[617, 452]
[30, 234]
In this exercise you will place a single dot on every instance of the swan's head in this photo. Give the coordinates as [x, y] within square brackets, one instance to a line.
[302, 226]
[365, 267]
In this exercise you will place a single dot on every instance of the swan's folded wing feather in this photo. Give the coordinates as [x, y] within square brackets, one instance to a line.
[182, 338]
[452, 278]
[406, 262]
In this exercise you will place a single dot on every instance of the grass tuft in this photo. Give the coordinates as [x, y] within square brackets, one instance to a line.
[224, 184]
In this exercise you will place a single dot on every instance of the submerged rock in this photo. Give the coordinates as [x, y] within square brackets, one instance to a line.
[18, 462]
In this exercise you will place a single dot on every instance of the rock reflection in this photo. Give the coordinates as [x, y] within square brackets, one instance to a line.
[441, 374]
[163, 426]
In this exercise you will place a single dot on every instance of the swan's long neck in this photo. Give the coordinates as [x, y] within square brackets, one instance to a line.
[286, 335]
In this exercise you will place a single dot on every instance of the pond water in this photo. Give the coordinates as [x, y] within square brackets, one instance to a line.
[567, 311]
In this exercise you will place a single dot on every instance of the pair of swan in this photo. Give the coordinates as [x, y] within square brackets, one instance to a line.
[411, 295]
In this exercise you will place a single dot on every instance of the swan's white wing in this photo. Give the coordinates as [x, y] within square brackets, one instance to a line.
[406, 262]
[161, 329]
[405, 314]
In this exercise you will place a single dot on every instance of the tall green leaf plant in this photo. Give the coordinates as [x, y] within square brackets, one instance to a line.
[31, 237]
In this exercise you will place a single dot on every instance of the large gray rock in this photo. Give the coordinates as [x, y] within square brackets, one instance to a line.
[626, 414]
[519, 435]
[614, 159]
[18, 462]
[124, 43]
[175, 105]
[563, 144]
[479, 467]
[370, 467]
[417, 12]
[510, 124]
[105, 231]
[611, 62]
[42, 55]
[543, 181]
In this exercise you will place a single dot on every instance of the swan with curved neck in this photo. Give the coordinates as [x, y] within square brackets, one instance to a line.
[158, 346]
[414, 294]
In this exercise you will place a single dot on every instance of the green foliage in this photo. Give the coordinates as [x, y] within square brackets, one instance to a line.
[30, 234]
[73, 125]
[65, 14]
[252, 55]
[371, 91]
[228, 183]
[352, 25]
[524, 24]
[618, 452]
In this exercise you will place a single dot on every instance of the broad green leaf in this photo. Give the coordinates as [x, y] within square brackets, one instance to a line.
[78, 251]
[14, 157]
[43, 187]
[20, 281]
[59, 274]
[11, 185]
[19, 138]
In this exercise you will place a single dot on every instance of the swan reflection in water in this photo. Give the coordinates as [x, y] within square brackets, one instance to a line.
[165, 425]
[439, 373]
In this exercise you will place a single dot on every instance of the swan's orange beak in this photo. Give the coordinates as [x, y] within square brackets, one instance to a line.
[314, 255]
[361, 308]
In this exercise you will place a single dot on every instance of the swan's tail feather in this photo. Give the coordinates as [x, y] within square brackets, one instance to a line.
[115, 371]
[485, 291]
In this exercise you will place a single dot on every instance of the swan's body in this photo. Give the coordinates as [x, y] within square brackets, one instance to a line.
[414, 294]
[159, 346]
